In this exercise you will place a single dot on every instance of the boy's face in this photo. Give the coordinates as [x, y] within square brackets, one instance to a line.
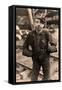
[38, 25]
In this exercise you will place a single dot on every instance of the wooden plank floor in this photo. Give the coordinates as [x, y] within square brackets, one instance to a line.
[27, 62]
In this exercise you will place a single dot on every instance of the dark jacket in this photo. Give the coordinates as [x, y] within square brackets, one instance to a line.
[40, 44]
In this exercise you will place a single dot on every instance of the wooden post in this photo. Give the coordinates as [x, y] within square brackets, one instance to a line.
[30, 17]
[45, 18]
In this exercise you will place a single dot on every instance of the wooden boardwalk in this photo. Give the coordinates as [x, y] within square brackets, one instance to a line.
[26, 62]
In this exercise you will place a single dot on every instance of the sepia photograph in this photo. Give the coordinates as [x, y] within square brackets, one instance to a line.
[37, 44]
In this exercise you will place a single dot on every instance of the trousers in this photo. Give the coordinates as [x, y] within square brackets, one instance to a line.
[45, 63]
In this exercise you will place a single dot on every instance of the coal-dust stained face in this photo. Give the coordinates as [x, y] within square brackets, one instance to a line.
[38, 26]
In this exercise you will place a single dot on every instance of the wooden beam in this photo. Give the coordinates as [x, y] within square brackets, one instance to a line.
[30, 18]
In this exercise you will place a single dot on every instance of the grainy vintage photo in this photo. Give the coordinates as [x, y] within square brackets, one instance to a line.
[37, 44]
